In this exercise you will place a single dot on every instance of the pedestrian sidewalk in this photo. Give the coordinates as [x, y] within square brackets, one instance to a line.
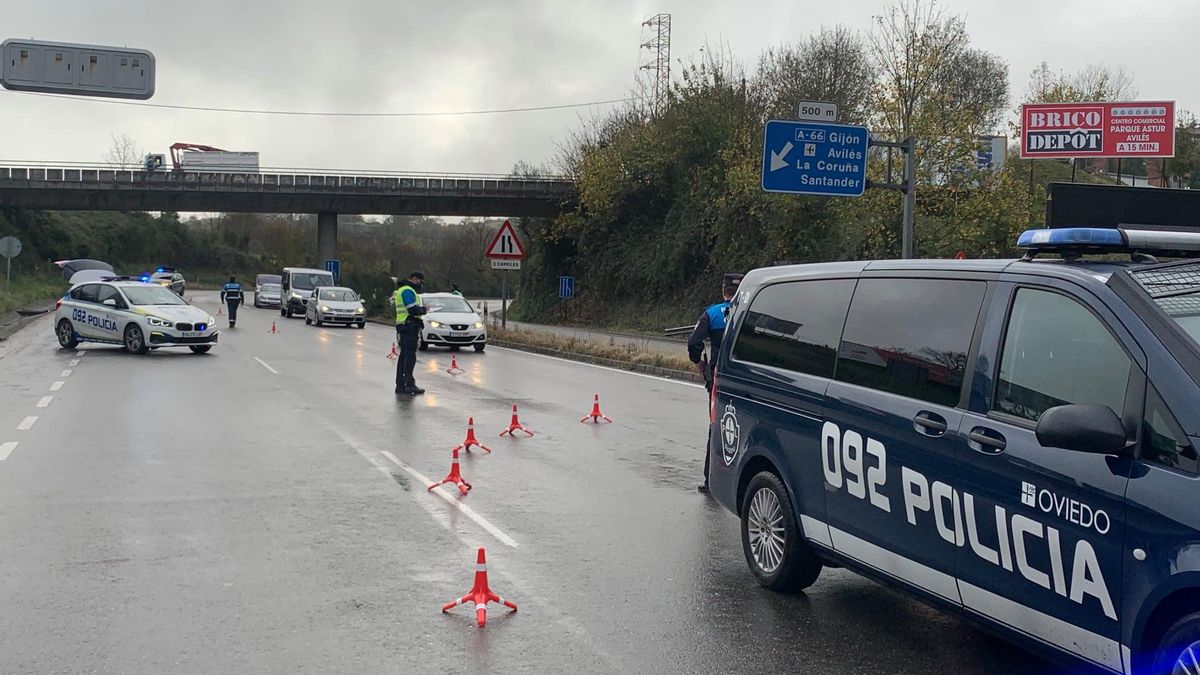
[668, 346]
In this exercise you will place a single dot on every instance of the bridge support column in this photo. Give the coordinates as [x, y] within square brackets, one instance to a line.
[327, 247]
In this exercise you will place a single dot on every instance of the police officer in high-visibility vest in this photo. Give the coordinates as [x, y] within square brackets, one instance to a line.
[711, 326]
[409, 310]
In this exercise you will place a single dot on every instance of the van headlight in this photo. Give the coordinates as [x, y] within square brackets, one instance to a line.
[158, 323]
[296, 296]
[324, 308]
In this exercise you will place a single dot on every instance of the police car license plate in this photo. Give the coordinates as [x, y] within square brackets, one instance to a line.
[458, 333]
[190, 333]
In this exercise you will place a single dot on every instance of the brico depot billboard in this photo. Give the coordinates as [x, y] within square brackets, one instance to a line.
[1142, 129]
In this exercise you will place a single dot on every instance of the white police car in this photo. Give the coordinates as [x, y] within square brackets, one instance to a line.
[136, 314]
[1015, 441]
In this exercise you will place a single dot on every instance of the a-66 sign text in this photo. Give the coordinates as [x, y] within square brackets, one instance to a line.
[1140, 129]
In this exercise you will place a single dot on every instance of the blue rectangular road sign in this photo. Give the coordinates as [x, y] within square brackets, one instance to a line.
[566, 287]
[334, 267]
[814, 158]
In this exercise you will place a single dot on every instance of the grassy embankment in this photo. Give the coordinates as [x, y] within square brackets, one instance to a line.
[30, 291]
[630, 353]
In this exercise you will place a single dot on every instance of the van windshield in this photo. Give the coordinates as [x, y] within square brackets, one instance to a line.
[306, 281]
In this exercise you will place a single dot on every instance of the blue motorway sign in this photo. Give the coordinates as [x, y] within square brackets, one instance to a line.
[814, 158]
[566, 287]
[334, 267]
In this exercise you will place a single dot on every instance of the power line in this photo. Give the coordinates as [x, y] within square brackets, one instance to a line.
[308, 113]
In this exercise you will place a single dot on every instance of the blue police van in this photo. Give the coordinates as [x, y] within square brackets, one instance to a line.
[1012, 440]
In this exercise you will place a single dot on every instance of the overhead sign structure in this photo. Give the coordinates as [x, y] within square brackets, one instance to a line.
[505, 245]
[817, 111]
[334, 267]
[77, 69]
[1139, 129]
[566, 287]
[814, 158]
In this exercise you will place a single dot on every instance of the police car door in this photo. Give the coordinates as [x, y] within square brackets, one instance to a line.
[889, 452]
[113, 307]
[1045, 526]
[85, 311]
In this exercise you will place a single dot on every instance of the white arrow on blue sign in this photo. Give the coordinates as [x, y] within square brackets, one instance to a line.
[813, 158]
[566, 287]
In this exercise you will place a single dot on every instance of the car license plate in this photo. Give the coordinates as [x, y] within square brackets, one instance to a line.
[190, 334]
[458, 333]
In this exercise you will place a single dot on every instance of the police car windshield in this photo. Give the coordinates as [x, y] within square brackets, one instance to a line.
[338, 295]
[152, 295]
[307, 282]
[457, 305]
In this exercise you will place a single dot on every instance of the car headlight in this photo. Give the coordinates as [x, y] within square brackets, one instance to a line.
[211, 319]
[324, 308]
[435, 324]
[479, 324]
[361, 310]
[159, 323]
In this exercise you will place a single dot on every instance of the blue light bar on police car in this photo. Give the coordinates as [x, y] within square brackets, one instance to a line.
[1108, 240]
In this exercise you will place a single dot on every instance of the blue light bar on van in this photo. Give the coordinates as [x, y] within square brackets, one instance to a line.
[1073, 237]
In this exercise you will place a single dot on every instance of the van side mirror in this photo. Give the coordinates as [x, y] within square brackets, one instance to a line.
[1083, 428]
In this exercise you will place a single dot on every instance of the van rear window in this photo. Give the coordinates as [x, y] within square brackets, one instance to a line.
[795, 326]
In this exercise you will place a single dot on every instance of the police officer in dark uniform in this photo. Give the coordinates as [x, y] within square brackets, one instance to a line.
[711, 326]
[231, 295]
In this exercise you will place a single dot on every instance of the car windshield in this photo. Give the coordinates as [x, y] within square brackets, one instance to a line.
[151, 295]
[338, 295]
[269, 280]
[271, 288]
[307, 281]
[456, 305]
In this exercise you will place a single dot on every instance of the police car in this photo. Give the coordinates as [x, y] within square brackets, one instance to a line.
[135, 314]
[1012, 440]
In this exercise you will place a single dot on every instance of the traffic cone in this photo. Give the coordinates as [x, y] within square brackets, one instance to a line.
[471, 440]
[273, 328]
[515, 425]
[595, 416]
[220, 312]
[393, 354]
[480, 595]
[455, 476]
[454, 365]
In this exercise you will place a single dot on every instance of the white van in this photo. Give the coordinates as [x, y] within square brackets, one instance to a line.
[298, 284]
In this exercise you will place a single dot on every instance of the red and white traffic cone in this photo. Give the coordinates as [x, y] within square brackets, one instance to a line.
[455, 476]
[595, 416]
[471, 440]
[220, 312]
[454, 366]
[393, 354]
[480, 595]
[515, 425]
[273, 328]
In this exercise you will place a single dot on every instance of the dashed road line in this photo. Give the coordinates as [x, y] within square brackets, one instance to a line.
[6, 449]
[65, 373]
[57, 385]
[466, 510]
[80, 353]
[45, 401]
[265, 365]
[27, 423]
[73, 362]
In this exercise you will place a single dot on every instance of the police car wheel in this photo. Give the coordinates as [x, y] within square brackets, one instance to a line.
[1179, 651]
[66, 335]
[135, 339]
[775, 552]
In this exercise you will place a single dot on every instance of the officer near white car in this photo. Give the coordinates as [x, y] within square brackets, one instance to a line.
[409, 310]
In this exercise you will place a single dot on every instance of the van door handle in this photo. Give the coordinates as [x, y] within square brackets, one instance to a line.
[930, 424]
[986, 441]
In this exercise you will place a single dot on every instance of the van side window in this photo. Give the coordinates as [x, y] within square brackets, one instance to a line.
[911, 336]
[796, 326]
[1163, 441]
[1056, 352]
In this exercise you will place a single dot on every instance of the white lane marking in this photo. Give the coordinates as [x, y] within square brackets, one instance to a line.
[80, 353]
[27, 423]
[466, 510]
[45, 401]
[264, 365]
[57, 385]
[593, 365]
[65, 373]
[6, 449]
[73, 362]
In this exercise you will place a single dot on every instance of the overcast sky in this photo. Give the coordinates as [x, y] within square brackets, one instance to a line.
[405, 56]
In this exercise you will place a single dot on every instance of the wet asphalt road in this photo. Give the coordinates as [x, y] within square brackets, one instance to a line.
[239, 512]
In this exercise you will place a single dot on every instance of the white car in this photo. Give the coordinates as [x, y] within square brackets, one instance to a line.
[138, 315]
[451, 322]
[335, 304]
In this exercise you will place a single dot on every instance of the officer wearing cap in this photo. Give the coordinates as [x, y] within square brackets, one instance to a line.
[711, 326]
[409, 310]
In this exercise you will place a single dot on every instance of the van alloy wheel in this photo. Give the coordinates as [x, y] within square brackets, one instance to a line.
[766, 530]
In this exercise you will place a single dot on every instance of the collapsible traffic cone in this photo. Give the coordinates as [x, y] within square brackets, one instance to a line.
[273, 328]
[515, 425]
[455, 476]
[471, 440]
[595, 416]
[480, 594]
[454, 366]
[220, 312]
[393, 354]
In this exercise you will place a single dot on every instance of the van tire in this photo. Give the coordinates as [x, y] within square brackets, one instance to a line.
[1183, 635]
[782, 566]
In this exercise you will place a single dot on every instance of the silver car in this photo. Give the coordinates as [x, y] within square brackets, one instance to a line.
[335, 304]
[268, 295]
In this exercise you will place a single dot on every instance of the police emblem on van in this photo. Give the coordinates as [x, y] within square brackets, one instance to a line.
[730, 434]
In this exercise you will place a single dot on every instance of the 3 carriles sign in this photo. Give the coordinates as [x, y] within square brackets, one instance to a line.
[1140, 129]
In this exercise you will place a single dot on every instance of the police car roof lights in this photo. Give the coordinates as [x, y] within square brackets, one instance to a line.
[1077, 240]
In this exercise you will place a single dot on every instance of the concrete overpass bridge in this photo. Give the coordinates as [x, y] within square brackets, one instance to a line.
[327, 194]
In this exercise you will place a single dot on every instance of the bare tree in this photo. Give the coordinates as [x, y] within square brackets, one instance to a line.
[124, 153]
[832, 65]
[1096, 82]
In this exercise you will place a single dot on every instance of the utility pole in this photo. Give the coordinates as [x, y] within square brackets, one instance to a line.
[656, 41]
[908, 186]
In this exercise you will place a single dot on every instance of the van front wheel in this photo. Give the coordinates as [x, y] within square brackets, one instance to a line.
[777, 555]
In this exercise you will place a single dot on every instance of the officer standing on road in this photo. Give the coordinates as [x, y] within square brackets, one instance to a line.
[231, 295]
[409, 310]
[711, 325]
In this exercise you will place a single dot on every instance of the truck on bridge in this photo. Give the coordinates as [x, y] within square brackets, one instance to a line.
[203, 158]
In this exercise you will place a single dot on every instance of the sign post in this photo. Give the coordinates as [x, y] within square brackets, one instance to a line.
[10, 247]
[506, 253]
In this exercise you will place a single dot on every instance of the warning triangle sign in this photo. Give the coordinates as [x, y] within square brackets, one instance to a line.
[506, 245]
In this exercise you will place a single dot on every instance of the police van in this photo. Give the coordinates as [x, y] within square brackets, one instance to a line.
[1012, 440]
